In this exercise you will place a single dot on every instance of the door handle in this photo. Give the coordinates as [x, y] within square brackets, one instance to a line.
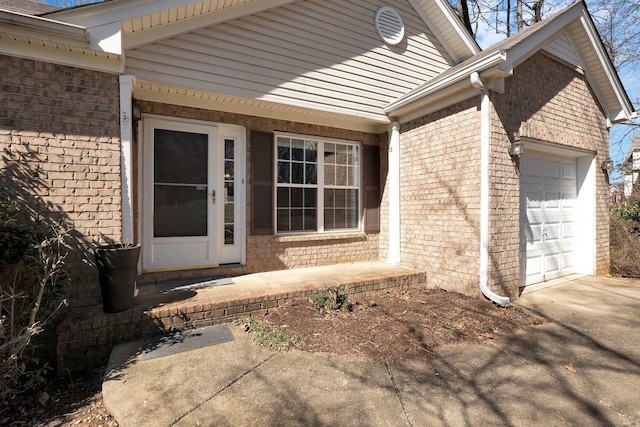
[213, 197]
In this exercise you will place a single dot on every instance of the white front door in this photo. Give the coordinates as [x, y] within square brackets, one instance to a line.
[548, 215]
[193, 194]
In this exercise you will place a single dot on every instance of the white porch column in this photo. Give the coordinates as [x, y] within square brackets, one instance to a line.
[126, 165]
[393, 175]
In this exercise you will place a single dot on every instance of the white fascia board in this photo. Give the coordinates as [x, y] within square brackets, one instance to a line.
[441, 102]
[107, 12]
[454, 56]
[421, 97]
[163, 32]
[89, 60]
[43, 29]
[457, 24]
[625, 110]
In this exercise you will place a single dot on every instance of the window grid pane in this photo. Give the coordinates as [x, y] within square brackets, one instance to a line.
[298, 188]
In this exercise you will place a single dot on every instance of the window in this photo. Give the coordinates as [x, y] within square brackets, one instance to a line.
[317, 185]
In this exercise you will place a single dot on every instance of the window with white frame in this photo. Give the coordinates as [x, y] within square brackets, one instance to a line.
[318, 185]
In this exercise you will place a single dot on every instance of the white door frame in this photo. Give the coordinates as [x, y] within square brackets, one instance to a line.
[585, 236]
[216, 252]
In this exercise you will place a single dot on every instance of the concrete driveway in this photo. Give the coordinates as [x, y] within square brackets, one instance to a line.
[582, 368]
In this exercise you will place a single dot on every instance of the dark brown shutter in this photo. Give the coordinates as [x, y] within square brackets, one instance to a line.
[371, 160]
[261, 183]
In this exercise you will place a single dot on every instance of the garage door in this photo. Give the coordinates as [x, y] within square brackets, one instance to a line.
[548, 215]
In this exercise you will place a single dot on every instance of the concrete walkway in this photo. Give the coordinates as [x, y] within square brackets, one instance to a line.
[582, 368]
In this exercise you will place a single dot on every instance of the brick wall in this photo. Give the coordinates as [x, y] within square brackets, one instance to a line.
[60, 155]
[266, 253]
[545, 100]
[440, 196]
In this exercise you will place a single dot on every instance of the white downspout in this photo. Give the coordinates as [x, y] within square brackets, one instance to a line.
[485, 130]
[126, 165]
[394, 194]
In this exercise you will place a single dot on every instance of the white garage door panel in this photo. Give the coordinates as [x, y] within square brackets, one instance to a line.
[548, 188]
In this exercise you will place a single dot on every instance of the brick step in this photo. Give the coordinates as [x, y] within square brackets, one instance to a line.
[86, 336]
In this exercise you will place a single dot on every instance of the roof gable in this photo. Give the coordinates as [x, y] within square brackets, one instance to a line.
[573, 24]
[146, 21]
[322, 55]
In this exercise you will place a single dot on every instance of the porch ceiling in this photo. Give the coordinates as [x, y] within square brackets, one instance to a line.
[165, 93]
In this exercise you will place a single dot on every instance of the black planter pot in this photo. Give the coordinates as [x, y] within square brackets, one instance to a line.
[118, 270]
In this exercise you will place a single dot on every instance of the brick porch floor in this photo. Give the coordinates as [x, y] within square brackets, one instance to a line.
[86, 336]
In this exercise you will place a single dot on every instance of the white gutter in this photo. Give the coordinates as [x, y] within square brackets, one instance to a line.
[485, 129]
[48, 28]
[462, 74]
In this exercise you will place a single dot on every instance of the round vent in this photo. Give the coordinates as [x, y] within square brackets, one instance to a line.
[389, 25]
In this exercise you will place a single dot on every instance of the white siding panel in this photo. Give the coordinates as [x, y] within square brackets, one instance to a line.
[322, 54]
[563, 48]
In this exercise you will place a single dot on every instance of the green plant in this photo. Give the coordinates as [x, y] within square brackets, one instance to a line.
[448, 332]
[34, 260]
[630, 214]
[273, 337]
[332, 299]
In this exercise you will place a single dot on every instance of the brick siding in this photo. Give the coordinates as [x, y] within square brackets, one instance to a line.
[60, 155]
[545, 100]
[440, 196]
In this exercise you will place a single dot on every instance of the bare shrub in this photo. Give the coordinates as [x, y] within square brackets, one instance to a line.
[625, 240]
[32, 262]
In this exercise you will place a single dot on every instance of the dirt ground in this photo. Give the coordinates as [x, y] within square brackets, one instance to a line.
[392, 327]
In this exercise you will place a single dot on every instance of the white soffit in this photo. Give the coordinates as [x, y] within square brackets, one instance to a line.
[164, 93]
[47, 40]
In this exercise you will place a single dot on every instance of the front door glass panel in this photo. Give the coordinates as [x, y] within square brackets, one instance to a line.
[180, 189]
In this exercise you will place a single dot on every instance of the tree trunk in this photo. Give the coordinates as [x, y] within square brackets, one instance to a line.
[519, 15]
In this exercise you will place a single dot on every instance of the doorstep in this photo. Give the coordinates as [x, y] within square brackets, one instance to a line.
[86, 336]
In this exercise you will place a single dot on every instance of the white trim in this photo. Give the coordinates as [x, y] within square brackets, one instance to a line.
[265, 109]
[214, 238]
[393, 180]
[227, 252]
[162, 32]
[586, 174]
[458, 26]
[48, 29]
[608, 69]
[320, 186]
[126, 166]
[86, 59]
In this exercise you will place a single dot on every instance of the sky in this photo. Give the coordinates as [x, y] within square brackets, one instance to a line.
[620, 137]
